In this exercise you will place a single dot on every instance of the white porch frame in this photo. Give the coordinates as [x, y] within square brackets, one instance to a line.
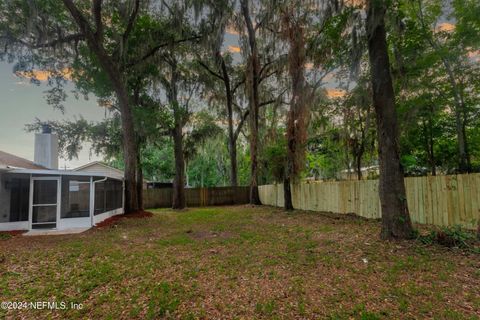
[30, 202]
[66, 223]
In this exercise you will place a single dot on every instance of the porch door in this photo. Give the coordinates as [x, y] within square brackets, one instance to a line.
[45, 202]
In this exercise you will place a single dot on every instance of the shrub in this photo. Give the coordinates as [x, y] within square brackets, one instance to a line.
[5, 236]
[450, 237]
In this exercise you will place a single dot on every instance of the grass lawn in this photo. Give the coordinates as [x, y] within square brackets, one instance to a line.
[239, 263]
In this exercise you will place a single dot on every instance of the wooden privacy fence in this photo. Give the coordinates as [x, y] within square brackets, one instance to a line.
[197, 197]
[439, 200]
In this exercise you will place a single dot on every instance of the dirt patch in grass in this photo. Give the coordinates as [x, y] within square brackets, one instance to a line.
[240, 262]
[134, 215]
[201, 235]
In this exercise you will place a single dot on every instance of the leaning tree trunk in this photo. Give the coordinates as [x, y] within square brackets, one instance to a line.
[179, 181]
[395, 216]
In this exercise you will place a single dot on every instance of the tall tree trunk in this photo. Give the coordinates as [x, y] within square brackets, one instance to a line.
[133, 194]
[478, 230]
[254, 196]
[187, 180]
[233, 163]
[358, 160]
[140, 183]
[396, 222]
[429, 142]
[290, 165]
[460, 112]
[433, 166]
[288, 205]
[178, 201]
[464, 164]
[232, 141]
[110, 66]
[297, 117]
[253, 83]
[179, 181]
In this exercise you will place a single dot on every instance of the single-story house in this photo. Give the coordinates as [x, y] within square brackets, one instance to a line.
[36, 195]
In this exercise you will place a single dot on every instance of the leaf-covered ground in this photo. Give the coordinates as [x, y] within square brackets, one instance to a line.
[239, 263]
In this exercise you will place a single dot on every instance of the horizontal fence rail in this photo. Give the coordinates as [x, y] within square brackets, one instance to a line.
[197, 197]
[438, 200]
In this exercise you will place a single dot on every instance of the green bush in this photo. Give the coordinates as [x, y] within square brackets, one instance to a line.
[5, 236]
[450, 237]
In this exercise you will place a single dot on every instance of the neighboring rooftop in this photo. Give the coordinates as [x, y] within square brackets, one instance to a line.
[100, 167]
[8, 160]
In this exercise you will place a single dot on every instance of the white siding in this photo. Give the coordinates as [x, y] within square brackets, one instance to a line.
[102, 170]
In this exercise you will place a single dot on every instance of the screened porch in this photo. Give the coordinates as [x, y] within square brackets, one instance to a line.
[59, 200]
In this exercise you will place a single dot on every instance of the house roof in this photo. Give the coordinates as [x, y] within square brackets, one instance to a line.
[8, 160]
[91, 164]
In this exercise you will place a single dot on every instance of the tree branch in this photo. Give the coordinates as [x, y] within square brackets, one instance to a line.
[97, 14]
[267, 102]
[70, 38]
[67, 39]
[82, 23]
[131, 21]
[238, 85]
[240, 125]
[213, 73]
[154, 50]
[268, 75]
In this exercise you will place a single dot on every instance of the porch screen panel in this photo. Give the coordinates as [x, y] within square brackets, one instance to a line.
[44, 211]
[108, 196]
[45, 192]
[99, 198]
[113, 194]
[14, 197]
[75, 197]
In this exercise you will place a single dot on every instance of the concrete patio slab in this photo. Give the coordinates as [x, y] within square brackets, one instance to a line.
[54, 232]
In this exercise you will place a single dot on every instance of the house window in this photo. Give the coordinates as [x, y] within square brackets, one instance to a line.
[75, 197]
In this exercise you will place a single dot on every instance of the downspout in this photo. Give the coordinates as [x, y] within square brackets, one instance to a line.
[92, 194]
[30, 203]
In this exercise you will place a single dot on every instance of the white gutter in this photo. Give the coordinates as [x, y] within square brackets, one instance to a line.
[63, 173]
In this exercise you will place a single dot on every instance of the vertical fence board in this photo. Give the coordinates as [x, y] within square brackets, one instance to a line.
[162, 198]
[439, 200]
[475, 195]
